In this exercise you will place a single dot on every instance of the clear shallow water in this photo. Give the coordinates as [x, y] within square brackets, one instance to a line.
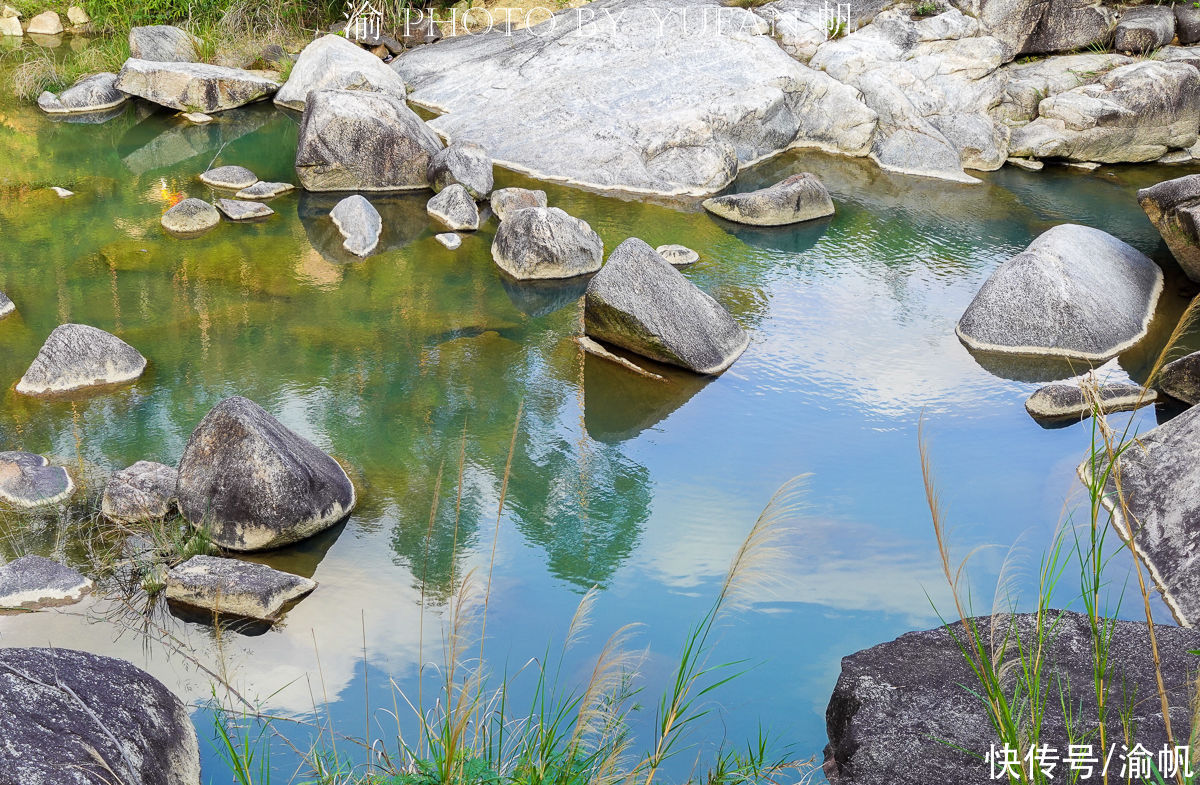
[643, 490]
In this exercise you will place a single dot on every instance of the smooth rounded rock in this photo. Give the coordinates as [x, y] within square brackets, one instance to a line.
[255, 484]
[33, 582]
[678, 255]
[360, 224]
[163, 44]
[463, 163]
[190, 217]
[264, 190]
[509, 200]
[242, 210]
[639, 302]
[140, 493]
[449, 239]
[1074, 292]
[801, 197]
[45, 23]
[77, 356]
[231, 177]
[333, 63]
[94, 93]
[235, 588]
[546, 243]
[28, 480]
[1056, 402]
[455, 208]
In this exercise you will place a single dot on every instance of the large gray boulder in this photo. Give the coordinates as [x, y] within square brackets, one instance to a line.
[356, 140]
[333, 63]
[193, 87]
[1074, 292]
[1133, 113]
[904, 713]
[94, 93]
[801, 197]
[508, 200]
[1068, 402]
[77, 356]
[190, 217]
[255, 484]
[139, 493]
[33, 582]
[1173, 206]
[1159, 502]
[1180, 379]
[455, 208]
[74, 718]
[639, 302]
[163, 44]
[28, 480]
[546, 243]
[1144, 28]
[235, 588]
[676, 106]
[464, 163]
[360, 224]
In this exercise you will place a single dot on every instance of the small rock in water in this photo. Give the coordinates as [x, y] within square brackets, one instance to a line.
[1087, 166]
[163, 44]
[190, 217]
[241, 210]
[94, 93]
[464, 163]
[1144, 28]
[45, 23]
[678, 255]
[142, 492]
[28, 480]
[197, 118]
[1067, 401]
[6, 306]
[801, 197]
[234, 587]
[76, 356]
[449, 239]
[255, 484]
[1031, 164]
[231, 177]
[77, 16]
[63, 193]
[360, 224]
[11, 26]
[33, 582]
[264, 190]
[1175, 157]
[1180, 379]
[639, 302]
[546, 243]
[455, 208]
[509, 200]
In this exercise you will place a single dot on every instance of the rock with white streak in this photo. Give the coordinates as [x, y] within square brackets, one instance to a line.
[463, 163]
[94, 93]
[235, 588]
[33, 582]
[801, 197]
[77, 356]
[28, 480]
[193, 87]
[360, 224]
[333, 63]
[1070, 402]
[455, 208]
[139, 493]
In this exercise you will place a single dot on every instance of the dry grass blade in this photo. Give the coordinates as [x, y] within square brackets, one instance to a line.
[762, 560]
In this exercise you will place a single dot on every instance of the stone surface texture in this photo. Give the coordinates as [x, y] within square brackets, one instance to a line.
[76, 356]
[193, 87]
[546, 243]
[235, 588]
[33, 582]
[139, 493]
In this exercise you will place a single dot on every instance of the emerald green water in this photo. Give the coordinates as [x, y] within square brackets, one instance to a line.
[642, 489]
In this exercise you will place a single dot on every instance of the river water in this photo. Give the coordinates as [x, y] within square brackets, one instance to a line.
[644, 490]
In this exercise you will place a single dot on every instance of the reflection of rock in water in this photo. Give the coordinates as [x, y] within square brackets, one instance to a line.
[1031, 368]
[793, 238]
[159, 141]
[619, 404]
[90, 118]
[404, 220]
[242, 626]
[539, 298]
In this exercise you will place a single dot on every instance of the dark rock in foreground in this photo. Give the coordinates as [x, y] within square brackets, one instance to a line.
[144, 491]
[641, 303]
[546, 243]
[28, 480]
[235, 588]
[801, 197]
[1067, 401]
[37, 582]
[74, 718]
[1173, 206]
[76, 356]
[255, 484]
[900, 709]
[1180, 379]
[1075, 291]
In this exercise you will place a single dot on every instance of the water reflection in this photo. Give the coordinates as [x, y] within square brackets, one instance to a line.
[619, 405]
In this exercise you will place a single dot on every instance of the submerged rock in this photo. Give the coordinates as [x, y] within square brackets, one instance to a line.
[132, 727]
[1068, 401]
[264, 190]
[639, 302]
[163, 44]
[355, 140]
[6, 306]
[1075, 292]
[333, 63]
[509, 200]
[464, 163]
[190, 217]
[94, 93]
[193, 87]
[359, 223]
[902, 712]
[1180, 379]
[45, 23]
[242, 210]
[1144, 28]
[255, 484]
[545, 242]
[142, 492]
[678, 255]
[77, 356]
[1173, 207]
[28, 480]
[231, 177]
[449, 239]
[801, 197]
[235, 588]
[33, 582]
[455, 208]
